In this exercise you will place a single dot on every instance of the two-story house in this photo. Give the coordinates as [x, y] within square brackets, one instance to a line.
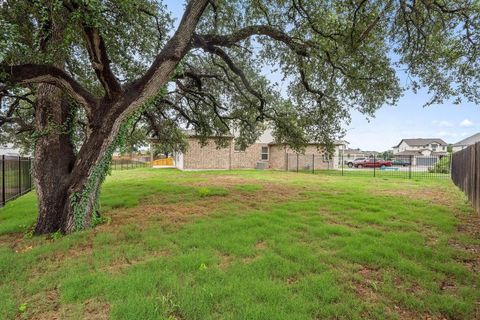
[420, 147]
[421, 151]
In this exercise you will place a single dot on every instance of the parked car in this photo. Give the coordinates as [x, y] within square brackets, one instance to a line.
[371, 162]
[401, 162]
[351, 164]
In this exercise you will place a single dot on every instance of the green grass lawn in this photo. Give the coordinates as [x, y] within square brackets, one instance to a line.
[249, 245]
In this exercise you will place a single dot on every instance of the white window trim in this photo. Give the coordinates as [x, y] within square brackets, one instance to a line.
[262, 153]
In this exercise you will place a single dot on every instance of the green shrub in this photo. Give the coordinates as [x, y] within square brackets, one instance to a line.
[442, 166]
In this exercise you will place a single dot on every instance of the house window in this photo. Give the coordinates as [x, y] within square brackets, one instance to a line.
[434, 146]
[326, 157]
[264, 153]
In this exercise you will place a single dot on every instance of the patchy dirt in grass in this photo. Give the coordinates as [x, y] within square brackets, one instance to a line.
[220, 181]
[224, 260]
[166, 213]
[469, 224]
[404, 314]
[14, 241]
[91, 309]
[366, 288]
[50, 305]
[182, 212]
[332, 218]
[292, 280]
[119, 265]
[434, 196]
[94, 309]
[261, 245]
[249, 259]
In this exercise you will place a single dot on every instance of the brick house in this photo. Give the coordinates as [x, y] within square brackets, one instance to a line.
[263, 154]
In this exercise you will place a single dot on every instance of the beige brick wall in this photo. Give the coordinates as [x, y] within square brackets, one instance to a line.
[278, 157]
[211, 157]
[206, 157]
[249, 157]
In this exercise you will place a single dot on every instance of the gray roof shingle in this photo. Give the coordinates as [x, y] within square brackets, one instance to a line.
[422, 141]
[469, 141]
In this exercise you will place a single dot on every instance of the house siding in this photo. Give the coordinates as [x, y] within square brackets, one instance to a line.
[208, 156]
[440, 146]
[249, 157]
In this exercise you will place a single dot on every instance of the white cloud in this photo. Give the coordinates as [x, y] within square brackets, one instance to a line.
[442, 123]
[466, 123]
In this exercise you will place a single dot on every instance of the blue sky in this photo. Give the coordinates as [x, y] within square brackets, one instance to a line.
[408, 119]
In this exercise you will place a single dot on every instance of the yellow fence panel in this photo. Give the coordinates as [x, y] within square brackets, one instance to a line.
[163, 162]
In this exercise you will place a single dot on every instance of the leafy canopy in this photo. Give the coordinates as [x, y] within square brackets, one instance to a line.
[332, 57]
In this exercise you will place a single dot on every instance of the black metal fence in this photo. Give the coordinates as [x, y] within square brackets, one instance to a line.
[466, 173]
[126, 163]
[16, 177]
[434, 166]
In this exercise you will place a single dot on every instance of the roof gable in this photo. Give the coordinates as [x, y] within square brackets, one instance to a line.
[422, 142]
[468, 141]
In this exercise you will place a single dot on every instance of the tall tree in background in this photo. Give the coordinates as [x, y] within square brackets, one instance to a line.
[77, 75]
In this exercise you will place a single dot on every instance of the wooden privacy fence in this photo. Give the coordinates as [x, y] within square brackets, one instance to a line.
[466, 173]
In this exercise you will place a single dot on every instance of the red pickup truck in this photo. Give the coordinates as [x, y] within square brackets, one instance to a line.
[370, 163]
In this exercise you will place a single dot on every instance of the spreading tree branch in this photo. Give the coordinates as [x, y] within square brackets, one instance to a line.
[232, 39]
[101, 63]
[175, 49]
[40, 73]
[235, 69]
[98, 55]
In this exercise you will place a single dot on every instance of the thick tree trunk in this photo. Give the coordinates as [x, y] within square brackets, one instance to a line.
[61, 175]
[67, 184]
[54, 158]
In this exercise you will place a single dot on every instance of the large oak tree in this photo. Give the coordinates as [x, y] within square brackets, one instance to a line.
[77, 75]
